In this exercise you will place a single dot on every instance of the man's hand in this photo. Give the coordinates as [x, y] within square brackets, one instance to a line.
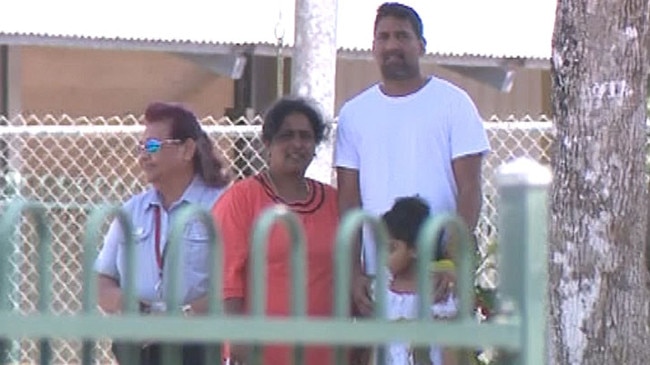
[361, 295]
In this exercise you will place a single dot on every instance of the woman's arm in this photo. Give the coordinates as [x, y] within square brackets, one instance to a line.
[449, 356]
[234, 306]
[234, 215]
[239, 352]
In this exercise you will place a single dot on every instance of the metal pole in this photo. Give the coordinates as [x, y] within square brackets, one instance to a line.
[313, 69]
[10, 169]
[279, 35]
[523, 259]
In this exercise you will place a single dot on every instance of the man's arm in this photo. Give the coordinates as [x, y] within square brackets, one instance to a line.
[349, 198]
[108, 285]
[467, 173]
[110, 294]
[200, 305]
[230, 305]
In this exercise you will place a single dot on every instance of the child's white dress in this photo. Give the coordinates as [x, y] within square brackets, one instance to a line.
[403, 306]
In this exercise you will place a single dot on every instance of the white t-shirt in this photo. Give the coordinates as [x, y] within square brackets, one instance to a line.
[404, 146]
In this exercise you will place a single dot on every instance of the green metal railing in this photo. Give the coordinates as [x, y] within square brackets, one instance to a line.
[519, 327]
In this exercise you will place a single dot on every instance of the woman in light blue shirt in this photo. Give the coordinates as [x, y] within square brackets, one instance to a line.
[182, 167]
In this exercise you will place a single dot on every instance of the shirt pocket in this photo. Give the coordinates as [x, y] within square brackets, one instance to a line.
[142, 239]
[197, 246]
[143, 235]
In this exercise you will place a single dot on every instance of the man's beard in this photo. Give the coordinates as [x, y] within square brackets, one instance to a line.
[398, 70]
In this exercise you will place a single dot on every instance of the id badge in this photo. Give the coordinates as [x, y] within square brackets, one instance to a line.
[158, 289]
[158, 305]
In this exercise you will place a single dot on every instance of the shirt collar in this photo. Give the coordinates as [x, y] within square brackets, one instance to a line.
[191, 195]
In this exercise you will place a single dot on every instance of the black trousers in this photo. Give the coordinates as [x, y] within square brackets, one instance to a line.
[193, 354]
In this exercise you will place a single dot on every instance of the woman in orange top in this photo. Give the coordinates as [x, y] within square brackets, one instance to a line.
[291, 131]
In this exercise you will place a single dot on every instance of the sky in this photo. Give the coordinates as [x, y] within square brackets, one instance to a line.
[489, 27]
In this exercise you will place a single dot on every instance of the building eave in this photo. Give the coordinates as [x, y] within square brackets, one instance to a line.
[261, 49]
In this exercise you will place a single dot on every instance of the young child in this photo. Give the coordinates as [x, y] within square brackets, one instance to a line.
[404, 221]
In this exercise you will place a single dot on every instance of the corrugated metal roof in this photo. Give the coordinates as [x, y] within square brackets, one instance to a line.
[494, 28]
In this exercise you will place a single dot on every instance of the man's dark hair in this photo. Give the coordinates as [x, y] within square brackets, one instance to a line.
[185, 125]
[401, 11]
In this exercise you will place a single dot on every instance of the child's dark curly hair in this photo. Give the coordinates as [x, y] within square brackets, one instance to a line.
[405, 219]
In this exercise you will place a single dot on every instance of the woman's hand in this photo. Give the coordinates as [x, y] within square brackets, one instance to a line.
[239, 354]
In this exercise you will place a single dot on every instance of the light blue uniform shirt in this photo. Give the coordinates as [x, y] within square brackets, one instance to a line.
[111, 260]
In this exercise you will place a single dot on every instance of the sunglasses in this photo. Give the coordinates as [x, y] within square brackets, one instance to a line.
[153, 145]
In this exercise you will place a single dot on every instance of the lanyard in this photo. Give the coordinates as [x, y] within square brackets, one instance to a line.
[160, 257]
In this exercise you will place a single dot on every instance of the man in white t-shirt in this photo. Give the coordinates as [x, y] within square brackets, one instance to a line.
[407, 135]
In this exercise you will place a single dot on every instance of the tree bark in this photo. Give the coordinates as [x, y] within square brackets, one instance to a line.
[598, 292]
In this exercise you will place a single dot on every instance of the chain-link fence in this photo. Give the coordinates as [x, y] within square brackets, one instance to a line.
[73, 165]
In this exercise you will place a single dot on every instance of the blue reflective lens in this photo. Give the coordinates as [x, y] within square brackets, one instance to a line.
[152, 145]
